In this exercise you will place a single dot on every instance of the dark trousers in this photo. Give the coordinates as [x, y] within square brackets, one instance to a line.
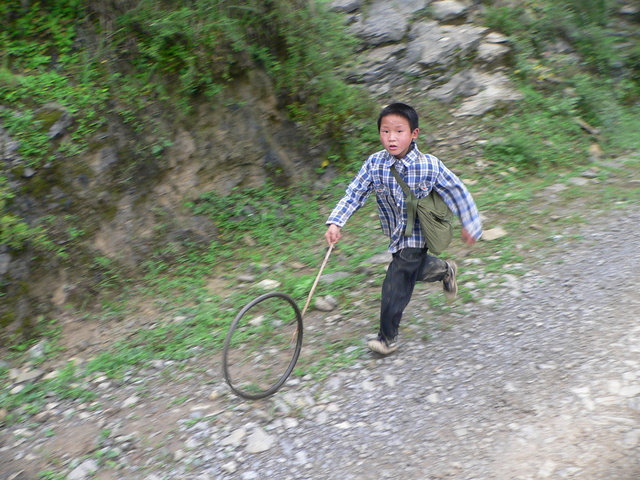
[409, 265]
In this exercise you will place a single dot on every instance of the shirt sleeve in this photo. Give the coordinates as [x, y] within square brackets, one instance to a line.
[457, 197]
[356, 194]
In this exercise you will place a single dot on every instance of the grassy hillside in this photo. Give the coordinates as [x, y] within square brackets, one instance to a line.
[576, 62]
[141, 62]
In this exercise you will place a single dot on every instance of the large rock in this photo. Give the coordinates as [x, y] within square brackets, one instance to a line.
[447, 10]
[386, 24]
[378, 63]
[434, 46]
[463, 84]
[387, 21]
[496, 91]
[492, 54]
[345, 6]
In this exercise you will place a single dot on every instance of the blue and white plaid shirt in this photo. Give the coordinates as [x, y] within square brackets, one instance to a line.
[422, 172]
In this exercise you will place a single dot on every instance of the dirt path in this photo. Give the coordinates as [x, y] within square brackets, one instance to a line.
[539, 379]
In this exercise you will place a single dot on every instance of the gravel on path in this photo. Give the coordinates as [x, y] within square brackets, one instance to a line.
[540, 380]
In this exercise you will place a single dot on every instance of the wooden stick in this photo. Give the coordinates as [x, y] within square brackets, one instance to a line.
[313, 288]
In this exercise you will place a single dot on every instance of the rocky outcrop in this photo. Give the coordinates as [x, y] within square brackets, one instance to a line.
[433, 49]
[123, 204]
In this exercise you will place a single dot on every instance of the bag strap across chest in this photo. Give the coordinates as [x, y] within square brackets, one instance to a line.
[411, 202]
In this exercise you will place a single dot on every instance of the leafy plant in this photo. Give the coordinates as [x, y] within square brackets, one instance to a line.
[266, 213]
[16, 233]
[32, 397]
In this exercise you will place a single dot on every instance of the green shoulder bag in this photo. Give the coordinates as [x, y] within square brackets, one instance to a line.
[433, 214]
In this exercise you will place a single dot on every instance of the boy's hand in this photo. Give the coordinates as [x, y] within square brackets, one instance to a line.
[466, 238]
[333, 234]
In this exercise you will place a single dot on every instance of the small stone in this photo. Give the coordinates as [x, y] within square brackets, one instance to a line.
[178, 455]
[629, 391]
[331, 300]
[259, 441]
[230, 467]
[631, 439]
[323, 305]
[301, 458]
[30, 376]
[37, 351]
[433, 398]
[590, 173]
[578, 181]
[84, 470]
[17, 389]
[556, 188]
[333, 319]
[547, 469]
[629, 9]
[290, 423]
[390, 380]
[322, 418]
[510, 387]
[51, 375]
[157, 364]
[268, 284]
[235, 439]
[493, 234]
[191, 444]
[130, 402]
[368, 386]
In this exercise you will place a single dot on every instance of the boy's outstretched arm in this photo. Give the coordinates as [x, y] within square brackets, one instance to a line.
[333, 234]
[466, 237]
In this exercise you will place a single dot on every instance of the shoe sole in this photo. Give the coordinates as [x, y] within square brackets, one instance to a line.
[454, 294]
[380, 348]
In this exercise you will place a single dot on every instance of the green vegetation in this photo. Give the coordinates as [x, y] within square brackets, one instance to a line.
[15, 232]
[575, 69]
[99, 59]
[122, 62]
[94, 64]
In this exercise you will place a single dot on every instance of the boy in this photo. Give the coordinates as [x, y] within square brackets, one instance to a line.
[398, 128]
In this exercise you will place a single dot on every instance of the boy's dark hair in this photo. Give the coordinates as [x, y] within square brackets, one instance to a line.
[403, 110]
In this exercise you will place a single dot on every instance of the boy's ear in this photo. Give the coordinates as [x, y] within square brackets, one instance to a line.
[415, 133]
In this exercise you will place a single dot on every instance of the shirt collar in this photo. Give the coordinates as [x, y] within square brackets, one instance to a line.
[411, 157]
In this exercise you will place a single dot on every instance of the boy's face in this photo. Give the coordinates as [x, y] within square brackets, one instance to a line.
[396, 135]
